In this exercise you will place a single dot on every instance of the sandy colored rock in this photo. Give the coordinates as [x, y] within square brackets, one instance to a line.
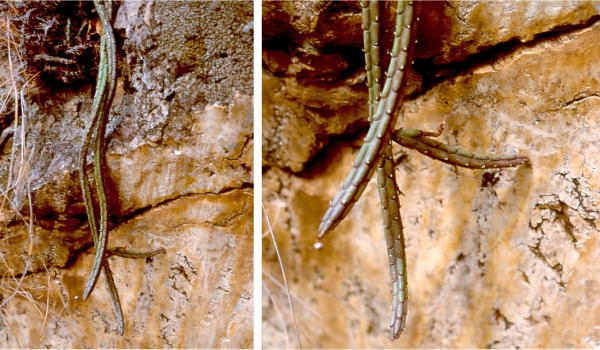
[197, 294]
[495, 258]
[458, 29]
[306, 105]
[179, 177]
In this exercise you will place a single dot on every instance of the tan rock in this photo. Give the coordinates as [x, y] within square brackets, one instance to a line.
[197, 294]
[495, 258]
[180, 177]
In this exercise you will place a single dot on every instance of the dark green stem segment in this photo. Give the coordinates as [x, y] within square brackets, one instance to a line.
[376, 152]
[386, 177]
[381, 124]
[97, 208]
[415, 140]
[102, 99]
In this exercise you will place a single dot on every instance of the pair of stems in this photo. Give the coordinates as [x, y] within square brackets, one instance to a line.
[376, 152]
[95, 139]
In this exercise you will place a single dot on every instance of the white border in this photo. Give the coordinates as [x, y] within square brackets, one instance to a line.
[257, 175]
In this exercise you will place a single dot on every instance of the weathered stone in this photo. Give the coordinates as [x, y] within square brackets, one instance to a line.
[321, 23]
[458, 29]
[179, 159]
[294, 123]
[197, 294]
[495, 258]
[451, 32]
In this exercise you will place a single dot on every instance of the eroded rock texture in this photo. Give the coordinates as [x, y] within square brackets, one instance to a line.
[180, 178]
[495, 258]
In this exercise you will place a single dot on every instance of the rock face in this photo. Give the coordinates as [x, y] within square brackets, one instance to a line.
[179, 161]
[495, 258]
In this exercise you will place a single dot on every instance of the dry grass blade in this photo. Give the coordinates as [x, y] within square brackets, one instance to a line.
[278, 310]
[284, 277]
[302, 302]
[16, 192]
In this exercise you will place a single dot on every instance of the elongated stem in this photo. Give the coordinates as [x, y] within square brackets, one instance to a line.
[453, 155]
[107, 66]
[98, 212]
[114, 296]
[388, 194]
[378, 134]
[394, 238]
[130, 254]
[377, 148]
[374, 52]
[96, 110]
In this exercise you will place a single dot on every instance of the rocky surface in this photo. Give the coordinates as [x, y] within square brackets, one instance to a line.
[179, 158]
[495, 258]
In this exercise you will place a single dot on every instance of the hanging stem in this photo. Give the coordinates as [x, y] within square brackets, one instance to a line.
[415, 140]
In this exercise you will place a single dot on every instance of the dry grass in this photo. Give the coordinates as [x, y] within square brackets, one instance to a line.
[267, 287]
[282, 317]
[15, 192]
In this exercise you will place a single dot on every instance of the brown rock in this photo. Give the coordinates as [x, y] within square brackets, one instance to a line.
[179, 159]
[495, 258]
